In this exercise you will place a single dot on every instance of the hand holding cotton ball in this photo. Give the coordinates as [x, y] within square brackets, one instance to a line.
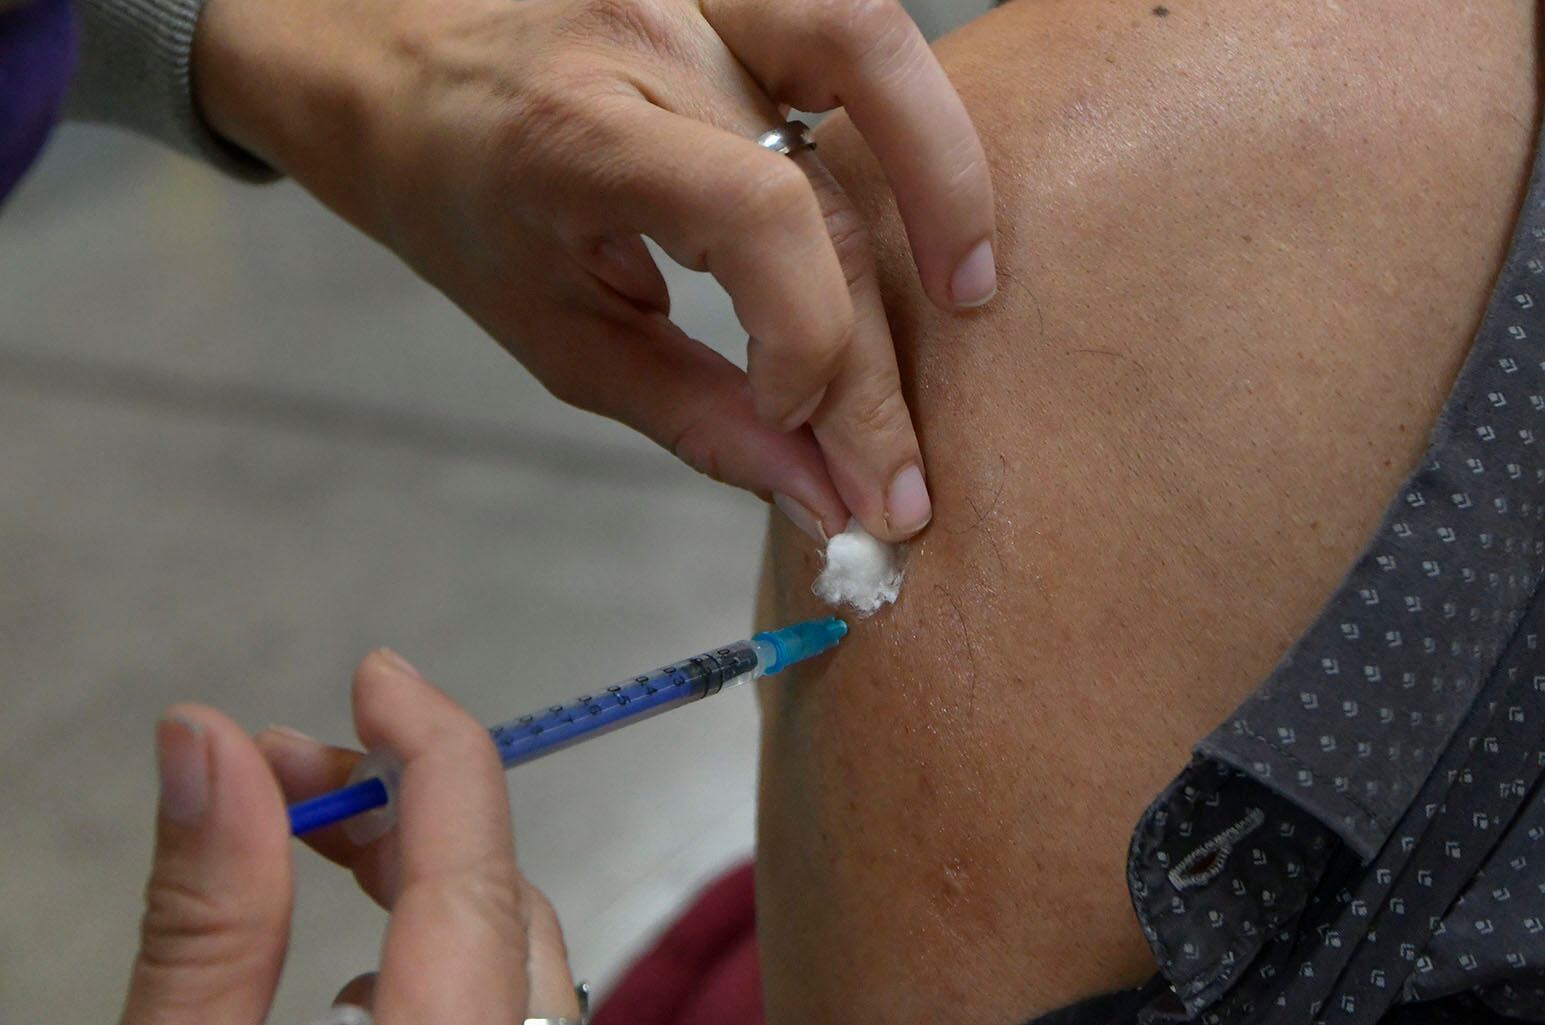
[861, 571]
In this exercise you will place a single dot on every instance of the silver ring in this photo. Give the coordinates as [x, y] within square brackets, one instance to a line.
[789, 138]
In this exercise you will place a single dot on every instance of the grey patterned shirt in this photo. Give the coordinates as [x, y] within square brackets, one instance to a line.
[1360, 841]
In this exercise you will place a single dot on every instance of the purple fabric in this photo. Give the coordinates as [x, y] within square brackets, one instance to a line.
[37, 52]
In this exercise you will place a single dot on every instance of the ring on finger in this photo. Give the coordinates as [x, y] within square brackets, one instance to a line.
[582, 995]
[789, 138]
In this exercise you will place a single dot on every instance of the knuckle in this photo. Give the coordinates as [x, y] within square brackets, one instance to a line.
[880, 413]
[185, 928]
[553, 129]
[488, 889]
[636, 24]
[824, 349]
[539, 112]
[484, 896]
[411, 37]
[969, 172]
[694, 445]
[850, 238]
[860, 30]
[815, 348]
[771, 192]
[785, 370]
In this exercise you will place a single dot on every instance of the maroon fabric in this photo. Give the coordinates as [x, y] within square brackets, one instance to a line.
[703, 970]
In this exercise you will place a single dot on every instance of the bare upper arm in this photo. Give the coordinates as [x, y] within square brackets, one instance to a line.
[1243, 249]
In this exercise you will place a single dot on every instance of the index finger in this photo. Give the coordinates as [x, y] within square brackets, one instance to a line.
[720, 203]
[794, 256]
[456, 947]
[869, 57]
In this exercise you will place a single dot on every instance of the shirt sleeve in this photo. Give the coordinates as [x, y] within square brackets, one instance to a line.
[133, 72]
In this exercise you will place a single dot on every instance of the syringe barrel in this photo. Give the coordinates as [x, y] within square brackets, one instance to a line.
[638, 697]
[366, 803]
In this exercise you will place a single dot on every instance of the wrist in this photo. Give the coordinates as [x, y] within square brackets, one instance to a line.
[289, 82]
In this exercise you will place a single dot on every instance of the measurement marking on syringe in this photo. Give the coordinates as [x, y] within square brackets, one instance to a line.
[595, 713]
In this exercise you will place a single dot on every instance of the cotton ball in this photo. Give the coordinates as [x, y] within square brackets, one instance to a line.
[861, 571]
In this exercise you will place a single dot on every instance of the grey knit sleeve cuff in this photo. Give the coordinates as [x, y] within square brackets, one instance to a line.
[133, 72]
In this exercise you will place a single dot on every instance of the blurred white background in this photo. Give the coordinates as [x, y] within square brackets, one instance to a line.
[240, 446]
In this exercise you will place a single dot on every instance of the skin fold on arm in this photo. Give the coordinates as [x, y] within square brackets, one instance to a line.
[1243, 249]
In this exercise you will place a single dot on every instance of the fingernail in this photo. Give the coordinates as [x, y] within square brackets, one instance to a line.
[907, 508]
[801, 517]
[291, 733]
[182, 757]
[401, 663]
[803, 412]
[976, 279]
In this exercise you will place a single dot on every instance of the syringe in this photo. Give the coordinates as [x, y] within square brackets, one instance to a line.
[374, 782]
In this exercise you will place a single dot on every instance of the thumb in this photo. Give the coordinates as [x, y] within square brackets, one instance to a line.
[217, 908]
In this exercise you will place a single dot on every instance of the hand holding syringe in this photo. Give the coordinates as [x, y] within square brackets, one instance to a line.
[367, 800]
[216, 926]
[470, 939]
